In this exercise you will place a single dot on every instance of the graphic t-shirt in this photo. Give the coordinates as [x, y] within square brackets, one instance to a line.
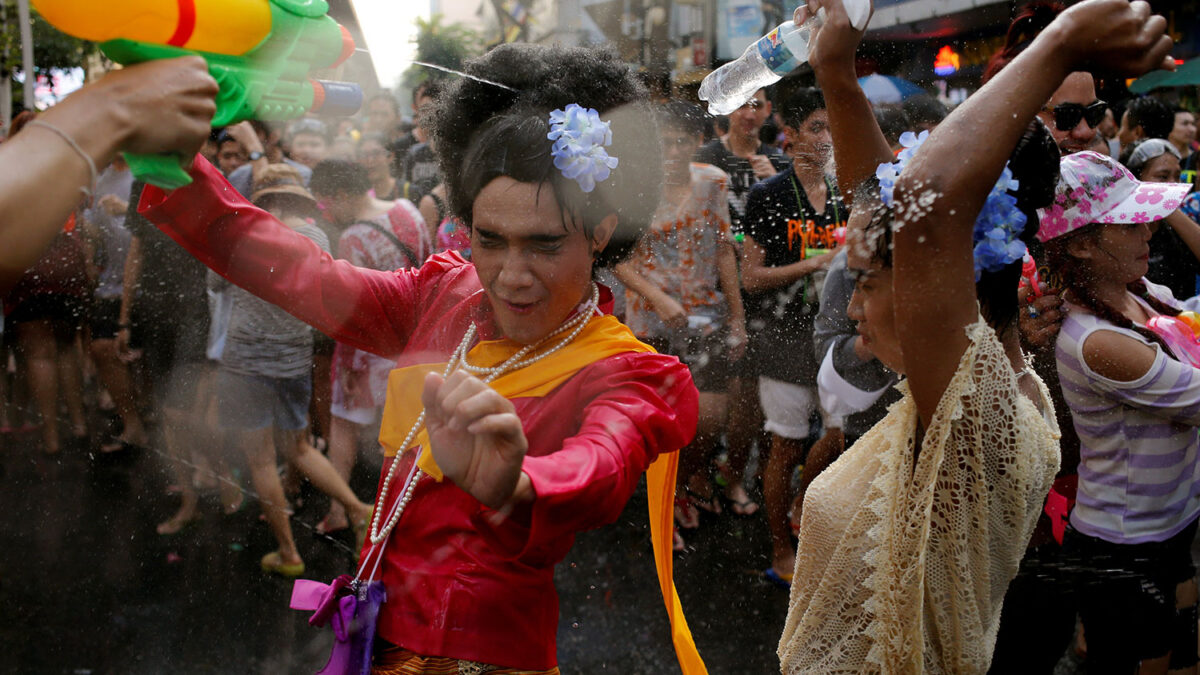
[781, 221]
[420, 171]
[678, 254]
[741, 174]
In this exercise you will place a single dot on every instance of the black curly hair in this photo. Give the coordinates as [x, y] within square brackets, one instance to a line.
[687, 117]
[482, 131]
[798, 104]
[1154, 117]
[334, 176]
[1035, 165]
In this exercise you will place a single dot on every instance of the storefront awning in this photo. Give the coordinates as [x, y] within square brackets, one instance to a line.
[890, 14]
[1185, 75]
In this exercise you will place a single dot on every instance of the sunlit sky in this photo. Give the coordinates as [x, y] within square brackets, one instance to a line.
[388, 27]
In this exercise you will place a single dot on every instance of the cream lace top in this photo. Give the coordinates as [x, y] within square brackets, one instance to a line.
[903, 568]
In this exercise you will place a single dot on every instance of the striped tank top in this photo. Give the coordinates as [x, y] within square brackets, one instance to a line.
[1139, 474]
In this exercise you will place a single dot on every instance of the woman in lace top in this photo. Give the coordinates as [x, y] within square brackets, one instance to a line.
[909, 540]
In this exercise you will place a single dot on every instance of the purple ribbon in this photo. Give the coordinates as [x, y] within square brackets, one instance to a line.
[352, 617]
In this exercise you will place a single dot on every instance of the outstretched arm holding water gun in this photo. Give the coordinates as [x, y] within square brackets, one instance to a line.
[259, 51]
[165, 106]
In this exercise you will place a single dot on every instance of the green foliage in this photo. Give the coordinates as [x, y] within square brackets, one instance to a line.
[447, 45]
[51, 48]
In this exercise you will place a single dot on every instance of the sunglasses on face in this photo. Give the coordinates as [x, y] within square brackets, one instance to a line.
[1067, 115]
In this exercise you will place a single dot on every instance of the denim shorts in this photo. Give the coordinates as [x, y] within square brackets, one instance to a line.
[252, 402]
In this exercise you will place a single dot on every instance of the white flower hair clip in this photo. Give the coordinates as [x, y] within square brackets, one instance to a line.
[579, 138]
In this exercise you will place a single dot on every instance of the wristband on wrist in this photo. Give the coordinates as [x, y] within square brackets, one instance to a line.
[88, 189]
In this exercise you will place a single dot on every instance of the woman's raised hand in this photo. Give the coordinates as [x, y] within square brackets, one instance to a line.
[1114, 37]
[835, 41]
[475, 436]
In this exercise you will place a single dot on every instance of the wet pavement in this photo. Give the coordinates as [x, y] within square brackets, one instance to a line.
[88, 587]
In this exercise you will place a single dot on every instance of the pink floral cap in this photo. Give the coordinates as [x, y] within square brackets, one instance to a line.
[1095, 188]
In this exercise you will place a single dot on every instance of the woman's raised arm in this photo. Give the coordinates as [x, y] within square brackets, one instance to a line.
[858, 144]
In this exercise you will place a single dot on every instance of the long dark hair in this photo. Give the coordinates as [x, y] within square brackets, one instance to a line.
[1074, 278]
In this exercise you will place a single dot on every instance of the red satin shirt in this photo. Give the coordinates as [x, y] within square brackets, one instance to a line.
[460, 582]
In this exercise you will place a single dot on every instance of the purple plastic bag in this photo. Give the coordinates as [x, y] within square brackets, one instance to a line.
[352, 610]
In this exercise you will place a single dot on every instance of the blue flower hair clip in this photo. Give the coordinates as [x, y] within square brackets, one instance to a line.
[888, 172]
[997, 228]
[579, 138]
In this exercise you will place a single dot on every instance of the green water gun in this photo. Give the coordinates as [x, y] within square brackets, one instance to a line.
[259, 51]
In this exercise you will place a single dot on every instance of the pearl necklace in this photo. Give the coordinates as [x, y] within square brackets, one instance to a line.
[459, 358]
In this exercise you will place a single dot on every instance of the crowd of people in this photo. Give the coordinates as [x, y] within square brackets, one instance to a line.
[956, 378]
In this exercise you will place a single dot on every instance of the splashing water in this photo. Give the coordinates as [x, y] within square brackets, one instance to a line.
[462, 74]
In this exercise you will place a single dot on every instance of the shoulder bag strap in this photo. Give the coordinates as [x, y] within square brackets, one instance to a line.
[408, 252]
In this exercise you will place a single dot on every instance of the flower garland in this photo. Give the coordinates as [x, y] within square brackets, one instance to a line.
[579, 138]
[999, 224]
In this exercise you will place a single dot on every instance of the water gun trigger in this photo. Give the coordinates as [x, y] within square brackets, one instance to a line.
[231, 99]
[165, 171]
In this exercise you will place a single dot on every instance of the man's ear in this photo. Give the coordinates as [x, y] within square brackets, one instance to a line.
[603, 233]
[789, 134]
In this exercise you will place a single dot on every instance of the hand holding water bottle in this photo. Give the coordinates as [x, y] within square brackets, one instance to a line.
[842, 31]
[774, 55]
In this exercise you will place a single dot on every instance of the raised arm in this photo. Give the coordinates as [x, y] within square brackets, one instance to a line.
[367, 309]
[858, 144]
[941, 191]
[1187, 229]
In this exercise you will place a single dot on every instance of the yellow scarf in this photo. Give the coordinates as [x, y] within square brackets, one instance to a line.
[601, 338]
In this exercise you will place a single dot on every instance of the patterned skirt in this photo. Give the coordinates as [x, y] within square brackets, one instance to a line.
[395, 660]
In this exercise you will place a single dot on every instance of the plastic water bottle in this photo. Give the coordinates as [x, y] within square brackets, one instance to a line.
[766, 61]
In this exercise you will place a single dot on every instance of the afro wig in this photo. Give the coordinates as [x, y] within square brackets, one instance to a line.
[496, 125]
